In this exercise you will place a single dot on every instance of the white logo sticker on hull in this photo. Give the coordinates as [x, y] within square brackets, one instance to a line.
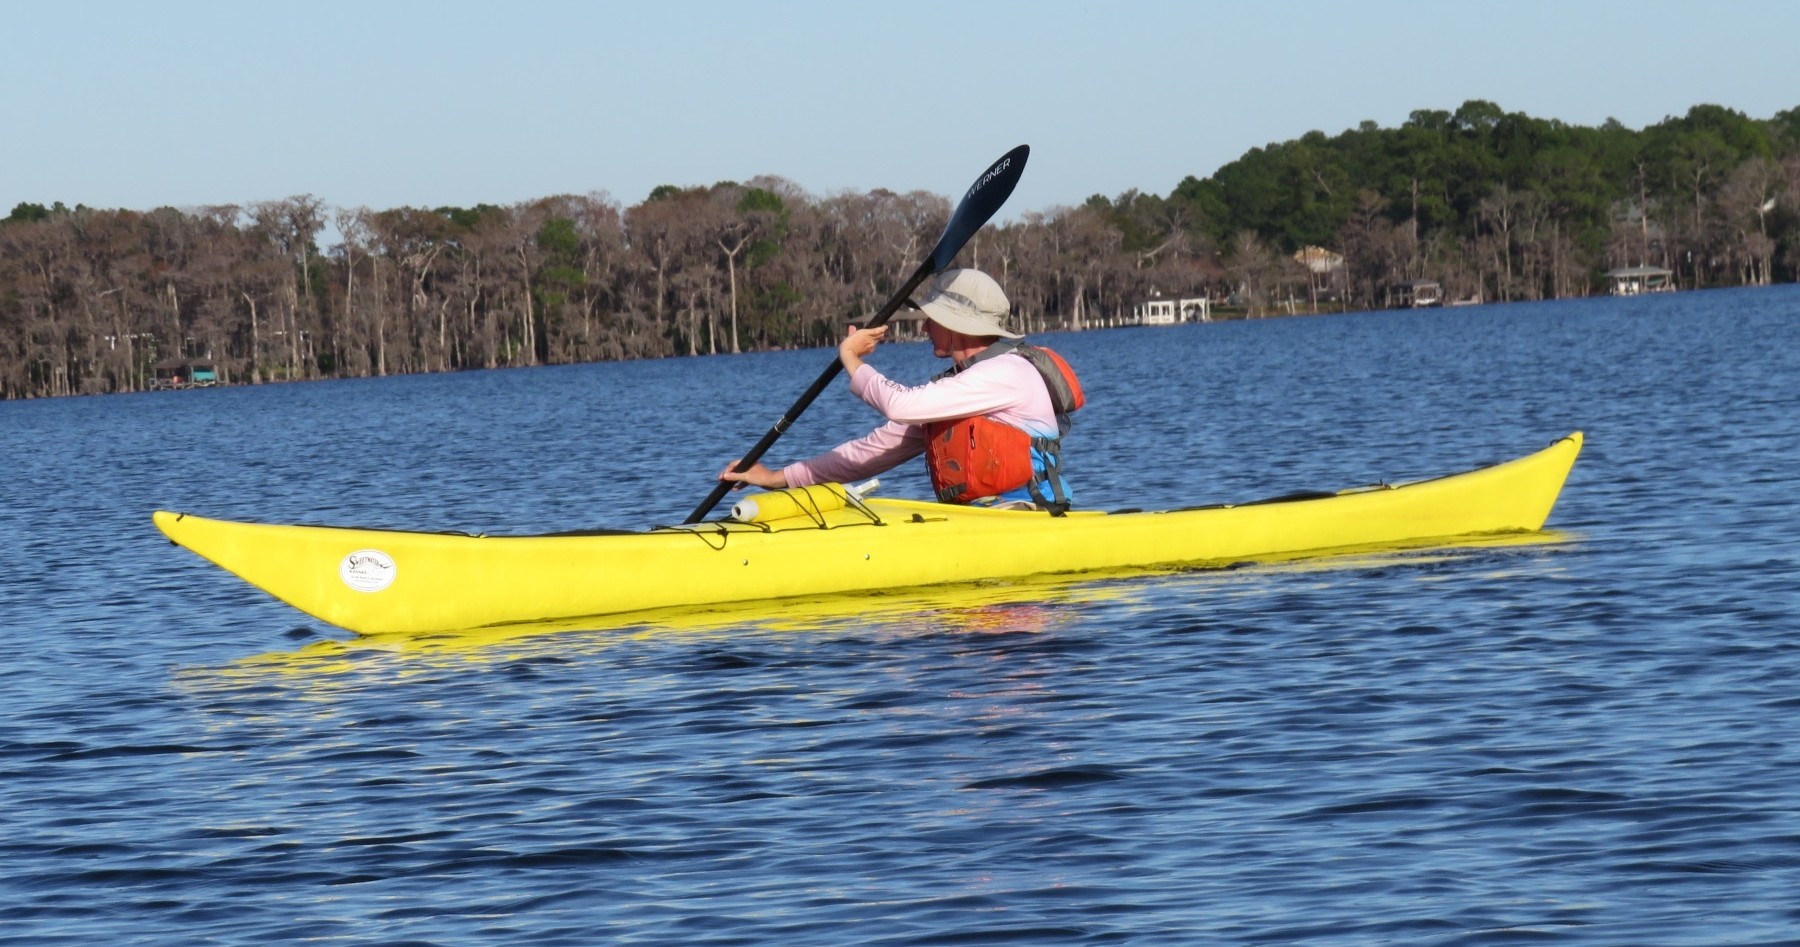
[367, 570]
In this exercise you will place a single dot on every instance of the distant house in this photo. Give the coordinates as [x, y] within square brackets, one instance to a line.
[1159, 310]
[1325, 272]
[1417, 294]
[1637, 280]
[184, 373]
[1320, 261]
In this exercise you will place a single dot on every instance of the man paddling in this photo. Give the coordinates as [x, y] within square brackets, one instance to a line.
[990, 428]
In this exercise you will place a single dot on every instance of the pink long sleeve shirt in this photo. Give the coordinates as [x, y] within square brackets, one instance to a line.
[1007, 389]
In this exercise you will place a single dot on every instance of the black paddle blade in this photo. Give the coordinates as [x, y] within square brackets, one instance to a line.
[985, 197]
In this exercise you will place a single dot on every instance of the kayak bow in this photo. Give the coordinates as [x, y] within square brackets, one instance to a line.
[824, 540]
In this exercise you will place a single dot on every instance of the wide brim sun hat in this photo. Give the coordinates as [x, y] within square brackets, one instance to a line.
[970, 302]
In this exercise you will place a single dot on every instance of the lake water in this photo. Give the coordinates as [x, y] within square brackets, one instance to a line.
[1592, 740]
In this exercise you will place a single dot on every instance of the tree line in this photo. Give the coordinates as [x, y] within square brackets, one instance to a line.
[1494, 205]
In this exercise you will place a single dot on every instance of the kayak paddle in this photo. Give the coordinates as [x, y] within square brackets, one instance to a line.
[984, 198]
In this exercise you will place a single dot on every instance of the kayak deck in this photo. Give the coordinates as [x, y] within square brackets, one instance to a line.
[825, 541]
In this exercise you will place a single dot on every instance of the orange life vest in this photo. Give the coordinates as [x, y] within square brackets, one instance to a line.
[977, 457]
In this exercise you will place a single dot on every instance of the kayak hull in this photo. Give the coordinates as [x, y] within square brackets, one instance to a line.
[385, 581]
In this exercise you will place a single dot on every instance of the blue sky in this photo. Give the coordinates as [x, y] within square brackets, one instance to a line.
[382, 104]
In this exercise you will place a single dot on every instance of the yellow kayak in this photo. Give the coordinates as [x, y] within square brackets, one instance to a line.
[827, 540]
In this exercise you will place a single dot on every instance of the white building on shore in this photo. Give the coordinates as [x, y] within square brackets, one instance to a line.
[1161, 310]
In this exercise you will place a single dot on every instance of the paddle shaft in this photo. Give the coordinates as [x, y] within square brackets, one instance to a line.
[807, 397]
[978, 205]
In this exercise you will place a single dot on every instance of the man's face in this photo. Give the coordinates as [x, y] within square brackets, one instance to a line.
[940, 337]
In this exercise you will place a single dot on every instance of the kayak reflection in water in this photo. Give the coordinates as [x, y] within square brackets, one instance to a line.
[990, 428]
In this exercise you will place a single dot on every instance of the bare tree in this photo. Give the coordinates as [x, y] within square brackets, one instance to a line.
[1256, 269]
[1750, 192]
